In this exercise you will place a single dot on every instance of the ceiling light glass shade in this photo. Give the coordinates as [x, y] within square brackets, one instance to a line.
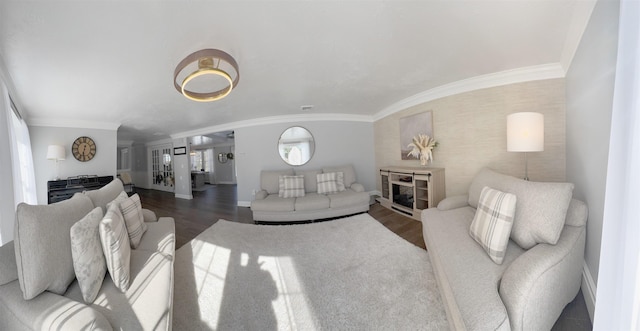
[55, 152]
[525, 132]
[210, 62]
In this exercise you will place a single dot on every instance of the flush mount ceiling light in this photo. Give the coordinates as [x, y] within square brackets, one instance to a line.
[213, 66]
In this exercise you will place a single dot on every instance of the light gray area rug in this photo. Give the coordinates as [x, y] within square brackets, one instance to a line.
[351, 273]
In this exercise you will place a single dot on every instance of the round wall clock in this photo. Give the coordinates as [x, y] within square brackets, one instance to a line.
[83, 149]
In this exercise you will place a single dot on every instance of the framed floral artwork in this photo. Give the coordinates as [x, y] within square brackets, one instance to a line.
[411, 126]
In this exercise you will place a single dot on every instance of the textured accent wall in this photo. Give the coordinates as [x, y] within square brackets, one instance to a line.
[471, 131]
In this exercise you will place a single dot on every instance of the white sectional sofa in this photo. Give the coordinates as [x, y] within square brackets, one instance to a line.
[146, 304]
[269, 206]
[542, 267]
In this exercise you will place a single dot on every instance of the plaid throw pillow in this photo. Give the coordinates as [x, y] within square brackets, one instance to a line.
[330, 182]
[291, 186]
[131, 209]
[491, 225]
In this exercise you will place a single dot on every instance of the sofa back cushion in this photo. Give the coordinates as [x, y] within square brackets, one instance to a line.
[105, 194]
[43, 244]
[8, 267]
[347, 170]
[270, 179]
[541, 210]
[577, 213]
[310, 181]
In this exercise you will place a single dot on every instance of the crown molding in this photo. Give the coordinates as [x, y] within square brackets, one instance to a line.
[79, 124]
[274, 120]
[526, 74]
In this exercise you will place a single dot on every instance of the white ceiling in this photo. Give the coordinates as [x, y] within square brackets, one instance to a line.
[113, 61]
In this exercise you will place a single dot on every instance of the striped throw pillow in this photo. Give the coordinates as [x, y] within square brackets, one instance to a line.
[115, 246]
[491, 225]
[330, 182]
[131, 209]
[291, 186]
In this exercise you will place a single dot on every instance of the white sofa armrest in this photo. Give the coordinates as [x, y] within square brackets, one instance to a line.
[536, 286]
[357, 187]
[262, 194]
[149, 215]
[456, 201]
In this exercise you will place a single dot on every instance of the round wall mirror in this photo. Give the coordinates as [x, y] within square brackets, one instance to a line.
[296, 146]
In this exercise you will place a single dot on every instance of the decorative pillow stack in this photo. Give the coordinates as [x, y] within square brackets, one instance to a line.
[291, 186]
[330, 182]
[491, 225]
[131, 209]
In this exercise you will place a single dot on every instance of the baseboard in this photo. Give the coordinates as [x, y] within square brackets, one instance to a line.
[184, 196]
[588, 290]
[226, 183]
[244, 203]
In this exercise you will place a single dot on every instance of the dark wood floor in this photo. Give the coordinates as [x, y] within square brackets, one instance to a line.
[219, 202]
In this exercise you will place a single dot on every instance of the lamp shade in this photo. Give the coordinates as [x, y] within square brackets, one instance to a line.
[55, 152]
[525, 132]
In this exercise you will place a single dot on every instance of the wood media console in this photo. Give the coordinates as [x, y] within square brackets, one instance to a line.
[409, 190]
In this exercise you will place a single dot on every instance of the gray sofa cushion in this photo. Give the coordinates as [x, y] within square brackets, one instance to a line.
[348, 198]
[270, 179]
[486, 177]
[160, 236]
[541, 210]
[43, 245]
[348, 171]
[105, 194]
[310, 181]
[274, 203]
[472, 279]
[146, 305]
[8, 267]
[312, 201]
[540, 213]
[47, 311]
[577, 213]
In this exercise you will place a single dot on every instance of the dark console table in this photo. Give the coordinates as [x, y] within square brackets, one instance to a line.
[64, 189]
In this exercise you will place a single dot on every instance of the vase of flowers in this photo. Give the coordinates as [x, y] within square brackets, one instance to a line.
[422, 147]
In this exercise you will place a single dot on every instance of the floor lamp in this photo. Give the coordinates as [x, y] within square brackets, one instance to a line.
[525, 133]
[56, 152]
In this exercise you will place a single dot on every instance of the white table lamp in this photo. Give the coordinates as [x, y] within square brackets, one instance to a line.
[525, 133]
[57, 153]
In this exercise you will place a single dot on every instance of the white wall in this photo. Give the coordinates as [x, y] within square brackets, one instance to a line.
[471, 129]
[337, 143]
[223, 172]
[139, 173]
[589, 90]
[182, 171]
[103, 164]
